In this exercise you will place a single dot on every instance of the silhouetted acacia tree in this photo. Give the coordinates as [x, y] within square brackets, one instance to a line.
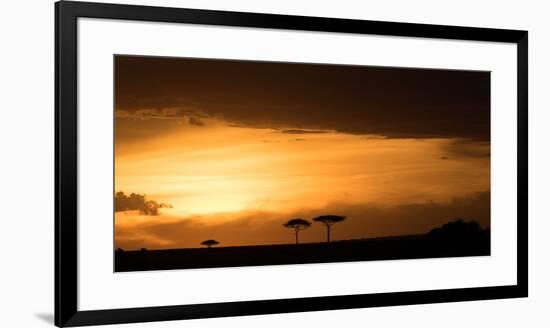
[328, 221]
[298, 225]
[209, 243]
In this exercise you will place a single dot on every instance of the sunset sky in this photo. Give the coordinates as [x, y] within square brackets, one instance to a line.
[237, 148]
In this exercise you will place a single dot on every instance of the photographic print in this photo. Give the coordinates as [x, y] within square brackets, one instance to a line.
[223, 163]
[313, 147]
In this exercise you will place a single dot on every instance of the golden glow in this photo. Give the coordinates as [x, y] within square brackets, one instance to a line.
[215, 173]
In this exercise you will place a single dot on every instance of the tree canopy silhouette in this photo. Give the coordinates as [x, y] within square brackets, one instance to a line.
[209, 243]
[328, 221]
[298, 225]
[458, 229]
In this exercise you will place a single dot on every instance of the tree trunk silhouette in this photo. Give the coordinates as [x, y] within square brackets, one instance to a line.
[296, 237]
[328, 234]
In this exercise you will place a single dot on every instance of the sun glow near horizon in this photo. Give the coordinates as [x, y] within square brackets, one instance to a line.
[220, 168]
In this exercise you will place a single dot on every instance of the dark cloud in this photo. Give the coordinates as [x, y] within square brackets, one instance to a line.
[193, 116]
[302, 131]
[195, 121]
[391, 102]
[137, 202]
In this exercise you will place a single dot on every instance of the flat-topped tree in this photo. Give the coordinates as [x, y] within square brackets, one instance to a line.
[298, 225]
[209, 243]
[328, 221]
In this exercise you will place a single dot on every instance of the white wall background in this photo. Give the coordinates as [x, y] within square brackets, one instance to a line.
[27, 181]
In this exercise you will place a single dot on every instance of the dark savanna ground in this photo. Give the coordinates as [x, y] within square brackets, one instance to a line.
[440, 242]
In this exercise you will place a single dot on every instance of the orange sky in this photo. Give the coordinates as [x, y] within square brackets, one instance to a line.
[216, 174]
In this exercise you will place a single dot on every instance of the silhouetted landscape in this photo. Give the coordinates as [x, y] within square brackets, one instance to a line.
[225, 163]
[454, 239]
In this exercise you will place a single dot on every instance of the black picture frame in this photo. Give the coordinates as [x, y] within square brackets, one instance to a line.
[66, 14]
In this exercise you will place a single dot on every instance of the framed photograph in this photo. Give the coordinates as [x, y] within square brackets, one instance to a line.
[215, 163]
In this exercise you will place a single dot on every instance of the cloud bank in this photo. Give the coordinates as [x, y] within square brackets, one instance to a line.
[387, 101]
